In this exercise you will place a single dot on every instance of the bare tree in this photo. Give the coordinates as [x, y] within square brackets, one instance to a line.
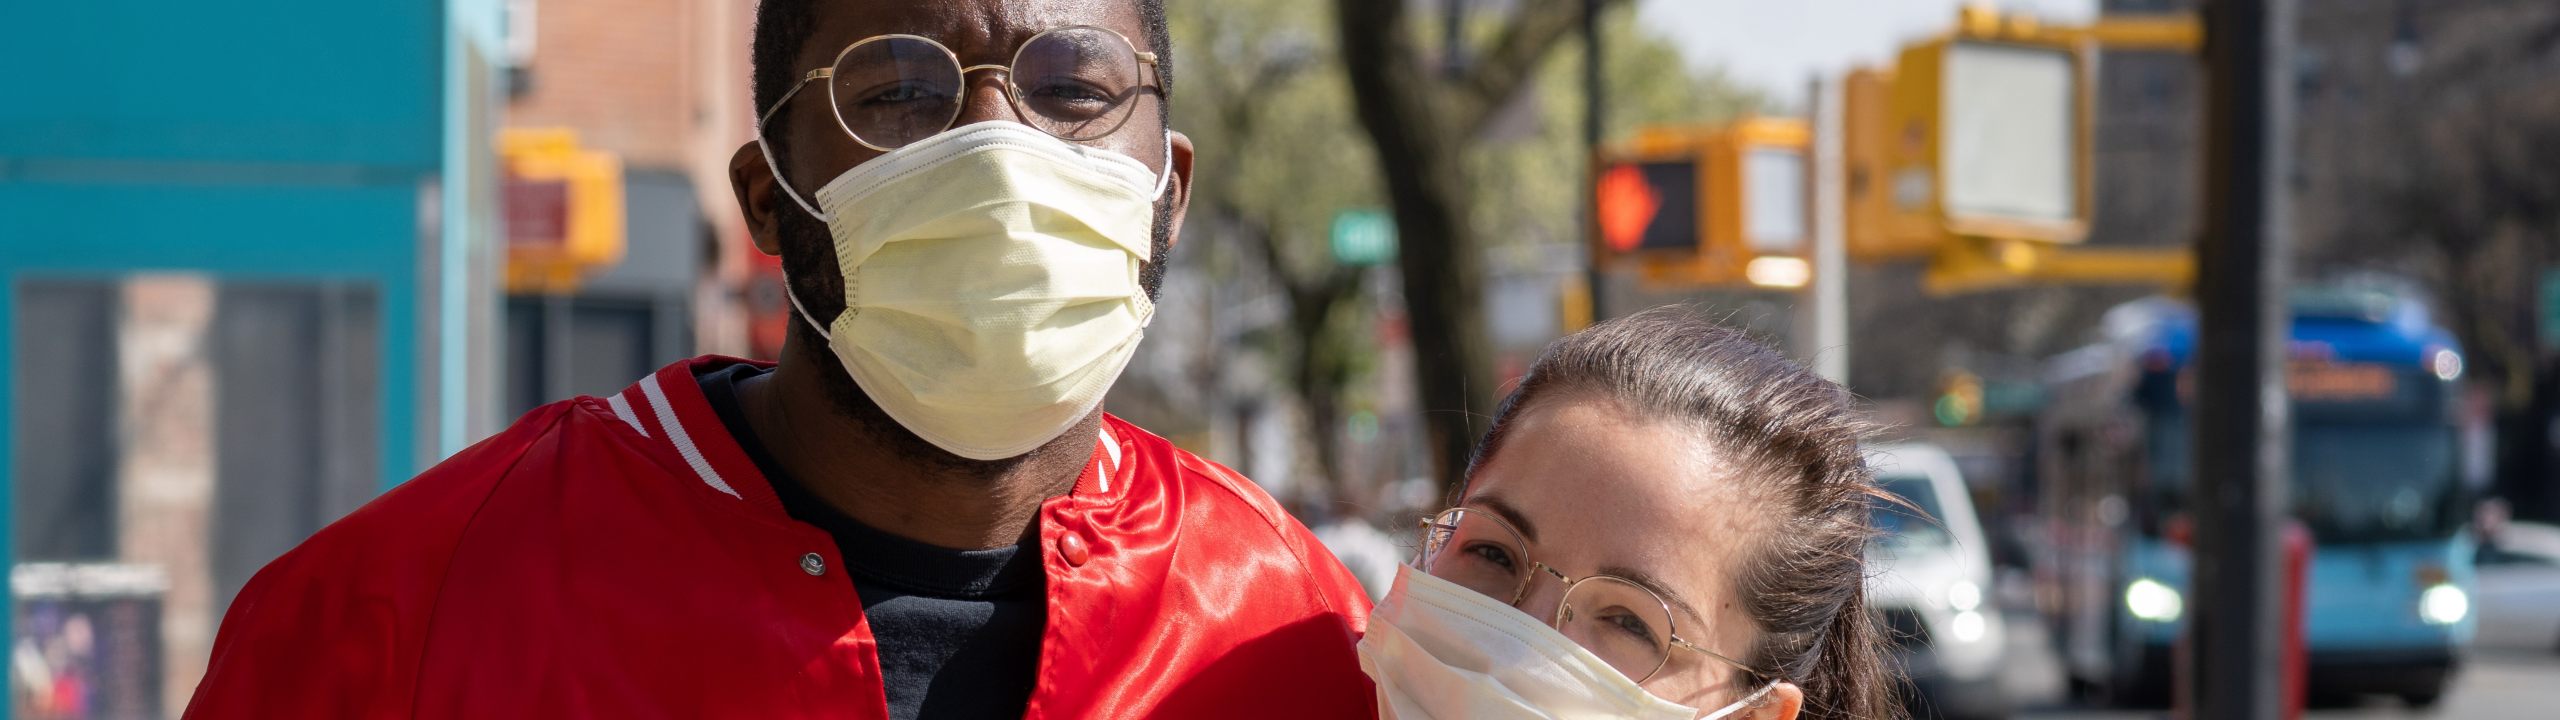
[1279, 121]
[2470, 203]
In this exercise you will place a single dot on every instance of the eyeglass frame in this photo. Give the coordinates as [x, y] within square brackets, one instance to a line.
[1556, 620]
[1012, 93]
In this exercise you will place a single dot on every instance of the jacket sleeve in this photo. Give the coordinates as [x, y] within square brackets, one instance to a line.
[1341, 590]
[336, 627]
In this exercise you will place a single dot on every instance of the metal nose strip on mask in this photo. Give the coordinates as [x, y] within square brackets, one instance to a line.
[1164, 179]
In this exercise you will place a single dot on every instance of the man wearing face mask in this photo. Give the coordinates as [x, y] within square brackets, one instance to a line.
[920, 510]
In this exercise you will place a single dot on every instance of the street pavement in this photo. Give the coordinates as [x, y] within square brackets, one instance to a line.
[2506, 685]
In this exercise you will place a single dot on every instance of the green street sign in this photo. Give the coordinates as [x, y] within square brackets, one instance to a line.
[1364, 237]
[2551, 308]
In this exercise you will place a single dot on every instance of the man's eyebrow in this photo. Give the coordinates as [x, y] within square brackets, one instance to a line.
[1649, 582]
[1508, 512]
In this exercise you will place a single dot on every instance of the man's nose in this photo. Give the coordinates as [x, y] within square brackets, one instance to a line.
[983, 98]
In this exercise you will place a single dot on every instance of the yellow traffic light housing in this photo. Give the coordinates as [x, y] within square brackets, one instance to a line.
[564, 209]
[1974, 153]
[1759, 171]
[1709, 206]
[1985, 137]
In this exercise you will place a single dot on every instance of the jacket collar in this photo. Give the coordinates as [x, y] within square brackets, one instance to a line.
[670, 414]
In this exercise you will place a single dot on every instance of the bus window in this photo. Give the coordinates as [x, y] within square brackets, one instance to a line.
[2352, 482]
[2365, 482]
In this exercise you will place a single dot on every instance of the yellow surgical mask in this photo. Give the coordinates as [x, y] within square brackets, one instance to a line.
[991, 282]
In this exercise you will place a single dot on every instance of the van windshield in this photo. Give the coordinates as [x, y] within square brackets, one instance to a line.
[1903, 527]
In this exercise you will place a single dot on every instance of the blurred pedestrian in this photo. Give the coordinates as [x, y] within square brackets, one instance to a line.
[920, 510]
[1667, 520]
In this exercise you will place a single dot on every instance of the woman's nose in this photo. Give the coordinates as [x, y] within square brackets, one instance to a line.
[1543, 598]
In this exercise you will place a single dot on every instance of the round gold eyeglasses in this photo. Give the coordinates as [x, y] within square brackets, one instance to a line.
[1079, 83]
[1626, 624]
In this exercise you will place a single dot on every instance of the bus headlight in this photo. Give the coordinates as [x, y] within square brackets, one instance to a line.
[2150, 600]
[2443, 605]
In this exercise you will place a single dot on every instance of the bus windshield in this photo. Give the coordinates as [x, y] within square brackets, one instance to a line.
[2352, 482]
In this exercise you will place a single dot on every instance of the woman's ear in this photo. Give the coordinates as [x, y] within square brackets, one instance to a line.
[1783, 702]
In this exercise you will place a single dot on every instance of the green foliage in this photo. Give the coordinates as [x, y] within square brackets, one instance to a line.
[1528, 188]
[1281, 152]
[1265, 102]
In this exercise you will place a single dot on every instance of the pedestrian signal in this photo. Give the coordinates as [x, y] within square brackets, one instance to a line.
[563, 209]
[1982, 133]
[1708, 206]
[1648, 207]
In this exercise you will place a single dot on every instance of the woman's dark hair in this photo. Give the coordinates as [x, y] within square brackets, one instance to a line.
[1797, 437]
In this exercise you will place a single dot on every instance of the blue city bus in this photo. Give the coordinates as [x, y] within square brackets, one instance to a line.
[2376, 480]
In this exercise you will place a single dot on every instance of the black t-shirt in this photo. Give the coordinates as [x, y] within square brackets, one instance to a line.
[976, 613]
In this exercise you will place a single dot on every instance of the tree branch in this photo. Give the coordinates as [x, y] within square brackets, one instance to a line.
[1514, 58]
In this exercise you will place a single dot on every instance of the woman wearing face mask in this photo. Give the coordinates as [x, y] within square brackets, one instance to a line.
[1667, 520]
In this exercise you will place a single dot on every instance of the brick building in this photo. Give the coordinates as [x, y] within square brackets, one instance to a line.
[663, 85]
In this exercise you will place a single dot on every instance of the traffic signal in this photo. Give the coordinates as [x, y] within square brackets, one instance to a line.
[1982, 132]
[1758, 220]
[563, 208]
[1645, 201]
[1959, 399]
[1973, 153]
[1708, 206]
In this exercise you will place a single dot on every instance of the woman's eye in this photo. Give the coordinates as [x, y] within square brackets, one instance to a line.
[1631, 625]
[1491, 553]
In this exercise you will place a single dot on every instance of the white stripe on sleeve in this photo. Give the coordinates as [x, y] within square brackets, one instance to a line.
[622, 409]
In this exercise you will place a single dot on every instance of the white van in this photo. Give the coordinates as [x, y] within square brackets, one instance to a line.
[1930, 581]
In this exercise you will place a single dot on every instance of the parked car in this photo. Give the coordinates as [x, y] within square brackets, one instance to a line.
[1932, 585]
[2519, 592]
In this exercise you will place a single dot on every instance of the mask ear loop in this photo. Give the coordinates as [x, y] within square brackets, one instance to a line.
[1745, 703]
[776, 167]
[1165, 182]
[803, 312]
[786, 184]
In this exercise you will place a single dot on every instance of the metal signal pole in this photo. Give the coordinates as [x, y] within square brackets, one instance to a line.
[2242, 422]
[1595, 78]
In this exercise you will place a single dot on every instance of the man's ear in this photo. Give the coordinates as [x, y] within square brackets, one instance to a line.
[1181, 165]
[1783, 702]
[752, 179]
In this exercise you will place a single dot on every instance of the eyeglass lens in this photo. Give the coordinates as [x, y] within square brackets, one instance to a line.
[1077, 83]
[1623, 623]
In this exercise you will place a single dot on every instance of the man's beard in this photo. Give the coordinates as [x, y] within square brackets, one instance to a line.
[810, 271]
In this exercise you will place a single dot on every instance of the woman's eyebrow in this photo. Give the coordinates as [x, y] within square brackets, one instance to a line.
[1508, 512]
[1649, 582]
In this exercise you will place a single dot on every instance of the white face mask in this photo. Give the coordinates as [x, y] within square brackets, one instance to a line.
[1438, 650]
[991, 281]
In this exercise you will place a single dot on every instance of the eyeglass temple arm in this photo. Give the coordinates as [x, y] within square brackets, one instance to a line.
[1745, 667]
[818, 74]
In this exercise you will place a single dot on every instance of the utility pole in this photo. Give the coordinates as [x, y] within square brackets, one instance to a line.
[1827, 203]
[1453, 36]
[1595, 94]
[2242, 417]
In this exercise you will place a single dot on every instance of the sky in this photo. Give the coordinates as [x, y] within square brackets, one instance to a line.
[1777, 45]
